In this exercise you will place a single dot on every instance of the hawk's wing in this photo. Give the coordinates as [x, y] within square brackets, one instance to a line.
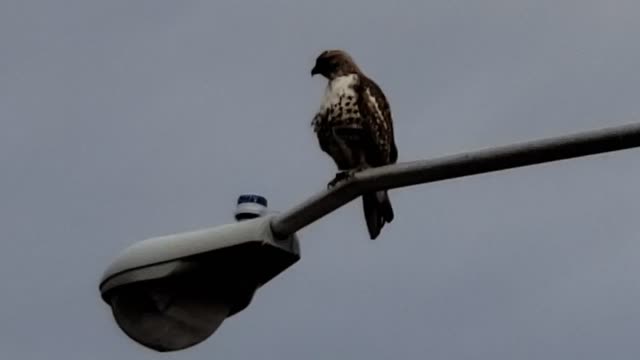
[376, 115]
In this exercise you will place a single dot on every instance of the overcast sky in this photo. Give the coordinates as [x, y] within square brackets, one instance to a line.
[123, 120]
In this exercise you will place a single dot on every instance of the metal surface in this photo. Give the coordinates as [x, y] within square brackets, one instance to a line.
[172, 292]
[449, 167]
[166, 249]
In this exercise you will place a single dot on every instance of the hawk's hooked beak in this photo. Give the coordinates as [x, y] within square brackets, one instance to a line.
[315, 70]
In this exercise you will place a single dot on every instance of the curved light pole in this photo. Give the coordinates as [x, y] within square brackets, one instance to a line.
[455, 166]
[173, 292]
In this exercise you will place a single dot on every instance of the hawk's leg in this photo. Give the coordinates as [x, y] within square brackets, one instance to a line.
[349, 155]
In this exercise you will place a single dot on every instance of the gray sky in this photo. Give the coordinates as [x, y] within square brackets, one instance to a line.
[123, 120]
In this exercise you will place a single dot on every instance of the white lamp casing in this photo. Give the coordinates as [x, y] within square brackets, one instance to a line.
[172, 292]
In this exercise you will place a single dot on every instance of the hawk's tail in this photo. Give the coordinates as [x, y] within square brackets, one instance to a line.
[377, 211]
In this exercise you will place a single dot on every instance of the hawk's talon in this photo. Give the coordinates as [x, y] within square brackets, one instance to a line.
[343, 176]
[340, 177]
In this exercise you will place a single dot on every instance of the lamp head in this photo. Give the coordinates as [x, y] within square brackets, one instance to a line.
[173, 292]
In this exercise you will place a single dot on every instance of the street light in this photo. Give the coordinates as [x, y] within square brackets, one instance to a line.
[173, 292]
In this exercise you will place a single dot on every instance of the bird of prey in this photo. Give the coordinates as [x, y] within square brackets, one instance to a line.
[354, 127]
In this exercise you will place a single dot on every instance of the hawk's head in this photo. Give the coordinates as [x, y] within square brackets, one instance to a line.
[334, 63]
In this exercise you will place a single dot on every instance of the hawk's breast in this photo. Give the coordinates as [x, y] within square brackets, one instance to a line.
[339, 105]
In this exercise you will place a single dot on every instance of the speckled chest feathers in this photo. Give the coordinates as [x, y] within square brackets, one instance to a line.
[338, 123]
[339, 105]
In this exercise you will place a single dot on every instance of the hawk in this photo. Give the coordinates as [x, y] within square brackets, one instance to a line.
[354, 127]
